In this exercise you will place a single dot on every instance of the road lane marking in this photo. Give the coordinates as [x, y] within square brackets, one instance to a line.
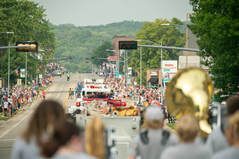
[15, 125]
[28, 114]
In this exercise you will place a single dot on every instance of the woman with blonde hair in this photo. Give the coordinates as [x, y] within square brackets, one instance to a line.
[232, 135]
[187, 129]
[95, 138]
[40, 126]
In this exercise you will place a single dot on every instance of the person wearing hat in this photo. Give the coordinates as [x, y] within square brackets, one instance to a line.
[153, 139]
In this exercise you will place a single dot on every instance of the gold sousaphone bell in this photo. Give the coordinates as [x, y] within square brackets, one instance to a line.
[190, 92]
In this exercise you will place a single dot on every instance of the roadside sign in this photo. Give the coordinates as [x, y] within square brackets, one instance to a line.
[165, 80]
[169, 69]
[22, 73]
[1, 83]
[19, 82]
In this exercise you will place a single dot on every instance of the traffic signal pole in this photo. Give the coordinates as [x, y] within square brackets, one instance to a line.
[9, 61]
[8, 74]
[13, 47]
[26, 71]
[170, 47]
[140, 54]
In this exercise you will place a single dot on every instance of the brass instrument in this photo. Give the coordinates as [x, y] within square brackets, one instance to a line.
[190, 92]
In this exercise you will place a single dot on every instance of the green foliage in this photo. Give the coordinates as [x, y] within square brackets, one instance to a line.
[89, 41]
[100, 54]
[159, 32]
[28, 22]
[216, 24]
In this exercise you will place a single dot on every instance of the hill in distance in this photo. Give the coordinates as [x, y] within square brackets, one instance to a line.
[80, 42]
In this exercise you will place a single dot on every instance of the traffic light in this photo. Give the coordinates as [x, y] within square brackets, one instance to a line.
[128, 45]
[27, 46]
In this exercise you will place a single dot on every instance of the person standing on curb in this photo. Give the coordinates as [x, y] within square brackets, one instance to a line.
[43, 94]
[5, 107]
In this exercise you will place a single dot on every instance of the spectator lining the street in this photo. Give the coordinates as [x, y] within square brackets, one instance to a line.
[41, 124]
[187, 129]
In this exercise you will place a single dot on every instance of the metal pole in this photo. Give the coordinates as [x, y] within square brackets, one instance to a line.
[161, 60]
[140, 63]
[26, 71]
[8, 74]
[170, 47]
[125, 67]
[126, 59]
[92, 72]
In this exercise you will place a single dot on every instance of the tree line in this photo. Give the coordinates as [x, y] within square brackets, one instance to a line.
[27, 20]
[216, 25]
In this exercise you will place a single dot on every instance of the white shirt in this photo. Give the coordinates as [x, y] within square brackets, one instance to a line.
[5, 104]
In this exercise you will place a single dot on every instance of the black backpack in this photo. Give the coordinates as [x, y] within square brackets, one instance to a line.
[145, 139]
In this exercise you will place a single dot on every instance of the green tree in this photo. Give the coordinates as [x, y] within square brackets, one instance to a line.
[100, 54]
[28, 22]
[82, 42]
[216, 25]
[158, 32]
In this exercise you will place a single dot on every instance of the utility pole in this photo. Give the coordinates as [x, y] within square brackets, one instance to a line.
[161, 59]
[9, 62]
[140, 63]
[125, 67]
[8, 74]
[26, 71]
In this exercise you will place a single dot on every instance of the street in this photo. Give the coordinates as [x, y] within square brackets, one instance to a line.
[9, 130]
[150, 79]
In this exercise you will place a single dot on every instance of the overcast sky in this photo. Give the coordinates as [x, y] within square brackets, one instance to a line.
[95, 12]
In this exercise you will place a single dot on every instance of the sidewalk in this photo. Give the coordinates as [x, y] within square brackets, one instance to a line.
[17, 119]
[24, 111]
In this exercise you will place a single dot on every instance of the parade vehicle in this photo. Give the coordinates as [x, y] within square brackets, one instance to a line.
[95, 93]
[92, 90]
[95, 89]
[119, 132]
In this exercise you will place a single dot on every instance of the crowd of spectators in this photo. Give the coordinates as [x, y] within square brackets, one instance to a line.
[59, 138]
[144, 96]
[20, 96]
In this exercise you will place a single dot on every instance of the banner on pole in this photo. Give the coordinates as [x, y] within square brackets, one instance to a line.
[169, 69]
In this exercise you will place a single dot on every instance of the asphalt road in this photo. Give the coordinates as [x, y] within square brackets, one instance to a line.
[9, 130]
